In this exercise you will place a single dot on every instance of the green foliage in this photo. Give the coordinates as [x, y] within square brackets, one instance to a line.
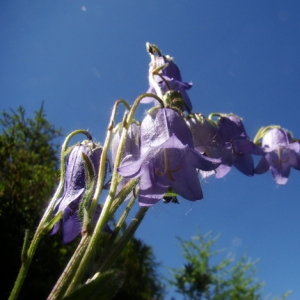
[102, 286]
[28, 175]
[226, 279]
[141, 281]
[28, 164]
[137, 263]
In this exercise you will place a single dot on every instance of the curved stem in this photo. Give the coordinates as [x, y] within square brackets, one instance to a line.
[103, 158]
[107, 213]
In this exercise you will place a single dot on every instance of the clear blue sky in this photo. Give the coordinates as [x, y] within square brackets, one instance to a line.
[242, 57]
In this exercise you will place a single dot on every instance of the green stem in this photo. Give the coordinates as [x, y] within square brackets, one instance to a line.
[63, 282]
[103, 159]
[115, 233]
[103, 219]
[128, 234]
[26, 261]
[137, 102]
[92, 245]
[107, 213]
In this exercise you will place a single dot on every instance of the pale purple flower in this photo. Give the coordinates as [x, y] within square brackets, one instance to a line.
[131, 147]
[168, 159]
[237, 147]
[281, 155]
[205, 135]
[132, 142]
[169, 77]
[74, 189]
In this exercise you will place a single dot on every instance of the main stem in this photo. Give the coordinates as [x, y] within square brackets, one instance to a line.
[66, 277]
[107, 213]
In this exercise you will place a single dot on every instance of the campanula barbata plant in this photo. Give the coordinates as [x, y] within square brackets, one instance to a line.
[159, 157]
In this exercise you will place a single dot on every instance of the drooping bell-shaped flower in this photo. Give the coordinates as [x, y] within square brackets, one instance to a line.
[205, 135]
[237, 147]
[75, 188]
[132, 142]
[131, 147]
[167, 160]
[164, 76]
[281, 155]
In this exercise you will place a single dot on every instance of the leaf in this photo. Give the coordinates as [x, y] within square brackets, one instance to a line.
[104, 286]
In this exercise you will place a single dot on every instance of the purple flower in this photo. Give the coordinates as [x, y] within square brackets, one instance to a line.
[132, 143]
[132, 146]
[164, 75]
[237, 148]
[168, 160]
[281, 155]
[74, 189]
[205, 135]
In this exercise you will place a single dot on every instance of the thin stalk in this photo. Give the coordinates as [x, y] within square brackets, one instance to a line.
[63, 282]
[115, 233]
[103, 158]
[106, 213]
[128, 234]
[104, 216]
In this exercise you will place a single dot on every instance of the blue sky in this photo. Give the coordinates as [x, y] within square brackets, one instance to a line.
[242, 57]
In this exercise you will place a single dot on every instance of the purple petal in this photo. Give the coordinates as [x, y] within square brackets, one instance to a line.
[262, 167]
[71, 226]
[245, 164]
[295, 160]
[280, 176]
[222, 170]
[160, 125]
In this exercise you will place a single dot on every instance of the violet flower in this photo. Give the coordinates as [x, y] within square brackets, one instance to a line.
[205, 135]
[281, 155]
[132, 143]
[237, 148]
[164, 75]
[74, 189]
[168, 159]
[132, 146]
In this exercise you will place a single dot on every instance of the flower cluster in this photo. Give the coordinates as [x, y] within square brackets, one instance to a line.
[172, 147]
[160, 157]
[176, 145]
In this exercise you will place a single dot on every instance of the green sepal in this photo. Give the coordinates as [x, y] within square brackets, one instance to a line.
[101, 286]
[49, 225]
[173, 99]
[89, 189]
[261, 133]
[124, 192]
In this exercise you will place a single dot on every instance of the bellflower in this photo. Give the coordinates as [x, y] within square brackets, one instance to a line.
[132, 142]
[164, 75]
[281, 155]
[74, 189]
[237, 147]
[167, 160]
[205, 135]
[132, 146]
